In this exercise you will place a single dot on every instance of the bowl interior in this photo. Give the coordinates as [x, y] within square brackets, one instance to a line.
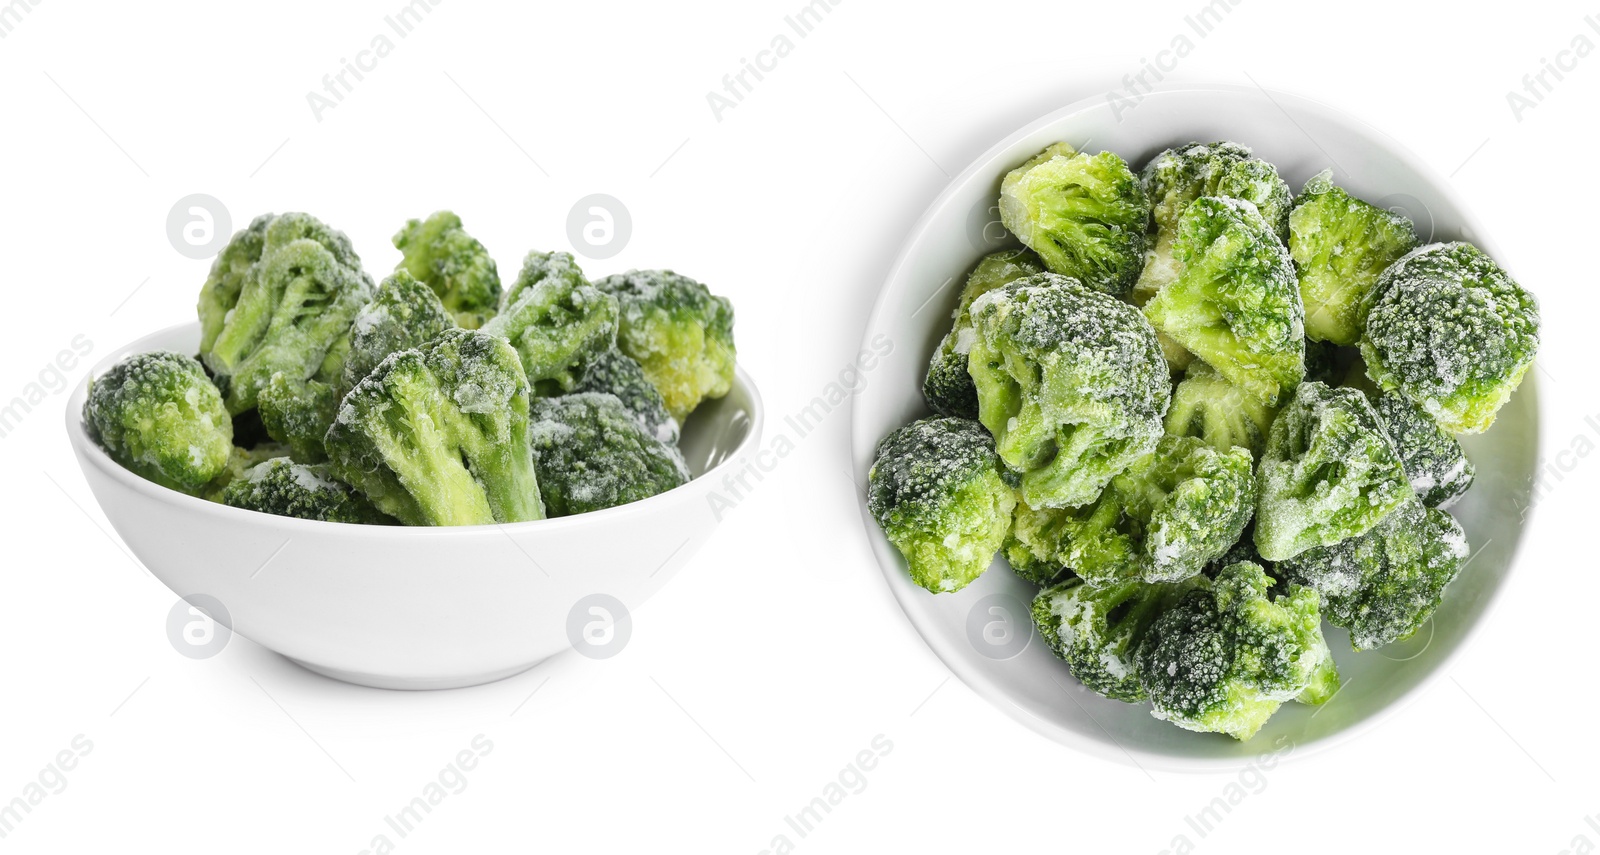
[983, 632]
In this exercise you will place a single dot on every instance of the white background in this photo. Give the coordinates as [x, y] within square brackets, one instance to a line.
[778, 653]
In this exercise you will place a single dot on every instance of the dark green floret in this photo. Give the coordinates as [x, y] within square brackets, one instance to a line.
[158, 415]
[1340, 245]
[935, 490]
[1329, 473]
[281, 486]
[297, 414]
[1434, 461]
[592, 454]
[1097, 630]
[1450, 330]
[678, 331]
[616, 373]
[1071, 383]
[439, 253]
[404, 313]
[1206, 405]
[1385, 584]
[556, 321]
[1083, 214]
[438, 435]
[947, 387]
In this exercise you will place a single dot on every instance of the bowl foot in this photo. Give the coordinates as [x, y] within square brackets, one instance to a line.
[385, 681]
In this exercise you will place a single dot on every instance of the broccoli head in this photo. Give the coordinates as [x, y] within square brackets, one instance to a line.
[1434, 461]
[298, 413]
[556, 321]
[1070, 382]
[439, 253]
[1083, 214]
[678, 331]
[1176, 177]
[935, 490]
[1206, 405]
[289, 309]
[1385, 584]
[438, 435]
[281, 486]
[592, 453]
[158, 415]
[1450, 330]
[948, 387]
[1097, 630]
[1328, 473]
[1234, 303]
[1226, 656]
[404, 313]
[1340, 245]
[616, 373]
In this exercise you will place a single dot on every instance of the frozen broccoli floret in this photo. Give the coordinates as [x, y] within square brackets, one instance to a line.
[591, 453]
[1176, 177]
[286, 311]
[1162, 520]
[948, 387]
[1226, 656]
[1206, 405]
[404, 313]
[556, 321]
[281, 486]
[298, 414]
[616, 373]
[1340, 245]
[1235, 303]
[1450, 330]
[1033, 546]
[1070, 382]
[1097, 630]
[1385, 584]
[1436, 465]
[1083, 214]
[240, 461]
[438, 435]
[935, 490]
[439, 253]
[1328, 473]
[679, 332]
[158, 415]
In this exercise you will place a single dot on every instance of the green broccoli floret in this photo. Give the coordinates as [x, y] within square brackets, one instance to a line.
[438, 435]
[1083, 214]
[1234, 303]
[1450, 330]
[616, 373]
[1176, 177]
[439, 253]
[281, 486]
[556, 320]
[1434, 461]
[1206, 405]
[1097, 630]
[288, 310]
[679, 332]
[240, 461]
[1340, 245]
[591, 453]
[158, 415]
[298, 413]
[1162, 520]
[935, 490]
[947, 387]
[1070, 382]
[404, 313]
[1385, 584]
[1226, 656]
[1328, 473]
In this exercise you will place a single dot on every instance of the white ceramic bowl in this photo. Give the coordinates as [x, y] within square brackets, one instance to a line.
[983, 632]
[415, 608]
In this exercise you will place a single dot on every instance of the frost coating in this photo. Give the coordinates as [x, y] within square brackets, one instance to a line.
[1329, 473]
[1385, 584]
[1450, 330]
[1097, 630]
[591, 454]
[936, 492]
[616, 373]
[1235, 303]
[947, 387]
[556, 321]
[678, 331]
[1071, 384]
[158, 415]
[1340, 245]
[1083, 214]
[281, 486]
[439, 253]
[1436, 465]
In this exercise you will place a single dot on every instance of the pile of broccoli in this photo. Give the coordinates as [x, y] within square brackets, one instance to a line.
[1205, 415]
[435, 397]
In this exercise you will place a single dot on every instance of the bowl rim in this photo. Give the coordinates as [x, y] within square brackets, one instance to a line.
[90, 452]
[989, 688]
